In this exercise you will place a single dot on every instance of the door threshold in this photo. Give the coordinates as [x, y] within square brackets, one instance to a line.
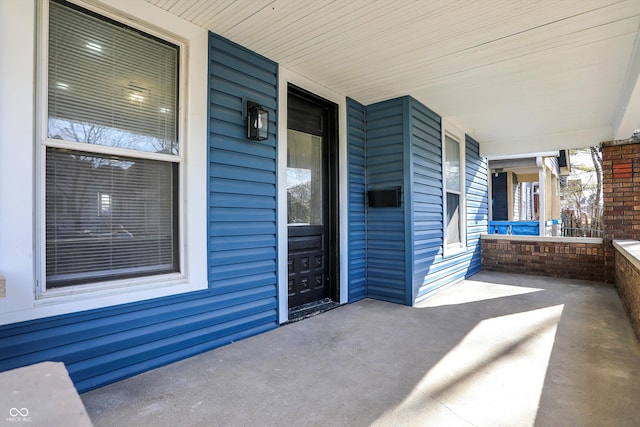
[311, 309]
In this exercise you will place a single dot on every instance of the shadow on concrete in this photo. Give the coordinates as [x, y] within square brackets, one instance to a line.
[498, 349]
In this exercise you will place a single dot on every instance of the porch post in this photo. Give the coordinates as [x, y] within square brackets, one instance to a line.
[542, 196]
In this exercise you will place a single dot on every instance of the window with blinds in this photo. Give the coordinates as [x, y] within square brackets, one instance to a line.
[111, 152]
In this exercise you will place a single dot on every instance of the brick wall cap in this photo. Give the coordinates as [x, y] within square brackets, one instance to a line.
[538, 239]
[630, 249]
[617, 142]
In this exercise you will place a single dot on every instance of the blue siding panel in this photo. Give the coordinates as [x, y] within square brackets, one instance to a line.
[403, 256]
[386, 227]
[356, 160]
[106, 345]
[477, 202]
[242, 184]
[427, 187]
[431, 269]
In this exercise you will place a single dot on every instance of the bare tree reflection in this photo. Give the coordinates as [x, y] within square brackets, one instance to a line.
[92, 133]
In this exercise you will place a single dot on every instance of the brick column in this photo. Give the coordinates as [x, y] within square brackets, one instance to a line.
[621, 196]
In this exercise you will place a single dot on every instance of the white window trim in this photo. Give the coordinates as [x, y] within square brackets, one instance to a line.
[458, 135]
[22, 301]
[41, 291]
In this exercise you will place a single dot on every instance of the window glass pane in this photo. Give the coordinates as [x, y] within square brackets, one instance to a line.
[108, 217]
[453, 218]
[110, 84]
[304, 178]
[452, 164]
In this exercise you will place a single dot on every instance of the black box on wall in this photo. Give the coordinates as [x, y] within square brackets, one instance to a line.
[385, 197]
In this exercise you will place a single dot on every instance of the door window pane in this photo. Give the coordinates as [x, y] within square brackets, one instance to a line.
[304, 178]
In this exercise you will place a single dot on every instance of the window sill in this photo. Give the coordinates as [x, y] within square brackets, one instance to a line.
[453, 250]
[60, 304]
[114, 287]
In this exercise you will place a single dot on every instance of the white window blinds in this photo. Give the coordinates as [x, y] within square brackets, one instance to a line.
[110, 84]
[109, 216]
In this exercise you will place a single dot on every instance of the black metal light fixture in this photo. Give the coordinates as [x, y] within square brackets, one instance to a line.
[257, 122]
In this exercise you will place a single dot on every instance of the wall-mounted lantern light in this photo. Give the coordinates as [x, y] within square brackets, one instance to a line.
[257, 122]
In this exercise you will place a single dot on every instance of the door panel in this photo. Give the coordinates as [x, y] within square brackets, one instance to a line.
[307, 272]
[309, 196]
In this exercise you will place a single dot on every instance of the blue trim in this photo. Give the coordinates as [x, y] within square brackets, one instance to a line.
[356, 196]
[407, 105]
[277, 247]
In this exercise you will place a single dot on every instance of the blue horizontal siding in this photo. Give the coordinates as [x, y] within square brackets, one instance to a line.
[386, 227]
[23, 339]
[356, 160]
[431, 269]
[242, 178]
[445, 271]
[400, 145]
[477, 202]
[427, 198]
[105, 345]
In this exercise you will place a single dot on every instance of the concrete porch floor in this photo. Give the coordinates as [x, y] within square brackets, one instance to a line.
[498, 349]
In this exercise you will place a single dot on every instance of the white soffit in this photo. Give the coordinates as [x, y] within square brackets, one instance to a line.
[519, 76]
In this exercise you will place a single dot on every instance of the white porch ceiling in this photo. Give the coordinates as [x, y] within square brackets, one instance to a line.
[519, 76]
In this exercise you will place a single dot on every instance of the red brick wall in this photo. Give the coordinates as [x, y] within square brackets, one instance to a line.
[574, 260]
[628, 285]
[621, 196]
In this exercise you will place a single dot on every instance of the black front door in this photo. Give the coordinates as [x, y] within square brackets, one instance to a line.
[311, 198]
